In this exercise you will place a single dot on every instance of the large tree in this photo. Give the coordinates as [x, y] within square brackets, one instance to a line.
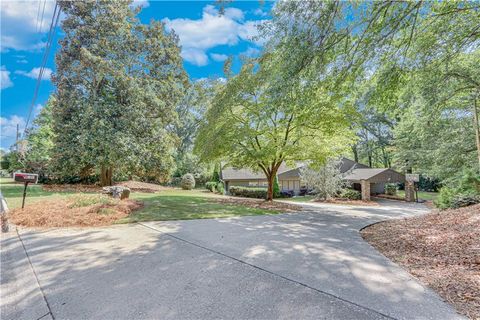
[412, 61]
[261, 119]
[118, 82]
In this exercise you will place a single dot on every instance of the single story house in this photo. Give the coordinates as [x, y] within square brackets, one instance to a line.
[369, 181]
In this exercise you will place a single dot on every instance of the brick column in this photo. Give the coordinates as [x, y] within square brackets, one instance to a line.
[365, 190]
[409, 191]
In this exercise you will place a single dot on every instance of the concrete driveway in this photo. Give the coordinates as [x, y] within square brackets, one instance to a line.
[312, 264]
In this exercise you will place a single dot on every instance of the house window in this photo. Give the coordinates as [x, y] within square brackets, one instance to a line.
[252, 183]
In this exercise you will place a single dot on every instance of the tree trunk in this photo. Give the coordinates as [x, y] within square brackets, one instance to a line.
[106, 176]
[476, 127]
[355, 152]
[271, 179]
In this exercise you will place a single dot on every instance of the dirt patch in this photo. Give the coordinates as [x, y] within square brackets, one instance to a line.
[349, 202]
[74, 211]
[142, 186]
[442, 249]
[259, 203]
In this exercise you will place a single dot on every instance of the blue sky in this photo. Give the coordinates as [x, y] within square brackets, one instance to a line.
[207, 39]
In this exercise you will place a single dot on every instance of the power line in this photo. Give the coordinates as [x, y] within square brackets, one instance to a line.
[41, 19]
[53, 25]
[38, 14]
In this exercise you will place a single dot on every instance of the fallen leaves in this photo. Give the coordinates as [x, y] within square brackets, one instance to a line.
[442, 249]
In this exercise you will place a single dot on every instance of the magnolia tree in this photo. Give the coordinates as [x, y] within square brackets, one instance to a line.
[326, 181]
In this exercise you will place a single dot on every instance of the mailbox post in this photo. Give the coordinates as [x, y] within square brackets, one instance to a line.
[26, 178]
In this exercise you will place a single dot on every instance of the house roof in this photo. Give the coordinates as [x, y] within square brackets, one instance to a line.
[363, 173]
[374, 175]
[354, 172]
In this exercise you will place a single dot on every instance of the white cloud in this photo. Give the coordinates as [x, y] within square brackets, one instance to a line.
[195, 56]
[38, 108]
[251, 52]
[22, 61]
[5, 81]
[9, 126]
[140, 3]
[260, 12]
[213, 29]
[47, 73]
[21, 25]
[218, 57]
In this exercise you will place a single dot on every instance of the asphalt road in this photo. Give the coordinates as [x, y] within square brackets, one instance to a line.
[312, 264]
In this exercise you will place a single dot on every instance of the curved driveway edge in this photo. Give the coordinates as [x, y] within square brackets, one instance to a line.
[308, 265]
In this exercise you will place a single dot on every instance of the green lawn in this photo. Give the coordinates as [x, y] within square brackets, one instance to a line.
[167, 205]
[423, 195]
[13, 193]
[300, 198]
[185, 205]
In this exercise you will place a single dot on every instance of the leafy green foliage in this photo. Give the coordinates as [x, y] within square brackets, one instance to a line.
[118, 82]
[248, 192]
[220, 187]
[461, 192]
[391, 189]
[188, 181]
[276, 188]
[259, 121]
[326, 181]
[351, 194]
[211, 185]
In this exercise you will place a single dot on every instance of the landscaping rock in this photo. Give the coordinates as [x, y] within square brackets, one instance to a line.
[117, 192]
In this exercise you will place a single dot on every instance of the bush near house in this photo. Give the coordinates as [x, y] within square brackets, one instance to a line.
[259, 193]
[391, 189]
[351, 194]
[211, 186]
[188, 182]
[220, 188]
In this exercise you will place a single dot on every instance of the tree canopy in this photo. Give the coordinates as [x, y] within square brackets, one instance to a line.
[118, 82]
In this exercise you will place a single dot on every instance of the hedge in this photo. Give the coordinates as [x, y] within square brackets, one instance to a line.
[259, 193]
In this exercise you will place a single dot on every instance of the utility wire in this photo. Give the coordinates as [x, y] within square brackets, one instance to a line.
[38, 14]
[53, 25]
[41, 19]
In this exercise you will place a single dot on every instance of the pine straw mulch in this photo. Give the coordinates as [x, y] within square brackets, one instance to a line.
[132, 185]
[260, 204]
[142, 186]
[71, 187]
[75, 211]
[441, 248]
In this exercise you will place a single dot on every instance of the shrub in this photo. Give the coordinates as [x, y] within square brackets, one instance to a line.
[464, 192]
[391, 189]
[188, 182]
[286, 194]
[220, 188]
[459, 201]
[259, 193]
[211, 185]
[276, 188]
[351, 194]
[445, 198]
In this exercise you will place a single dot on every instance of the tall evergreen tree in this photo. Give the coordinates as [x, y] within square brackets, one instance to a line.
[118, 82]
